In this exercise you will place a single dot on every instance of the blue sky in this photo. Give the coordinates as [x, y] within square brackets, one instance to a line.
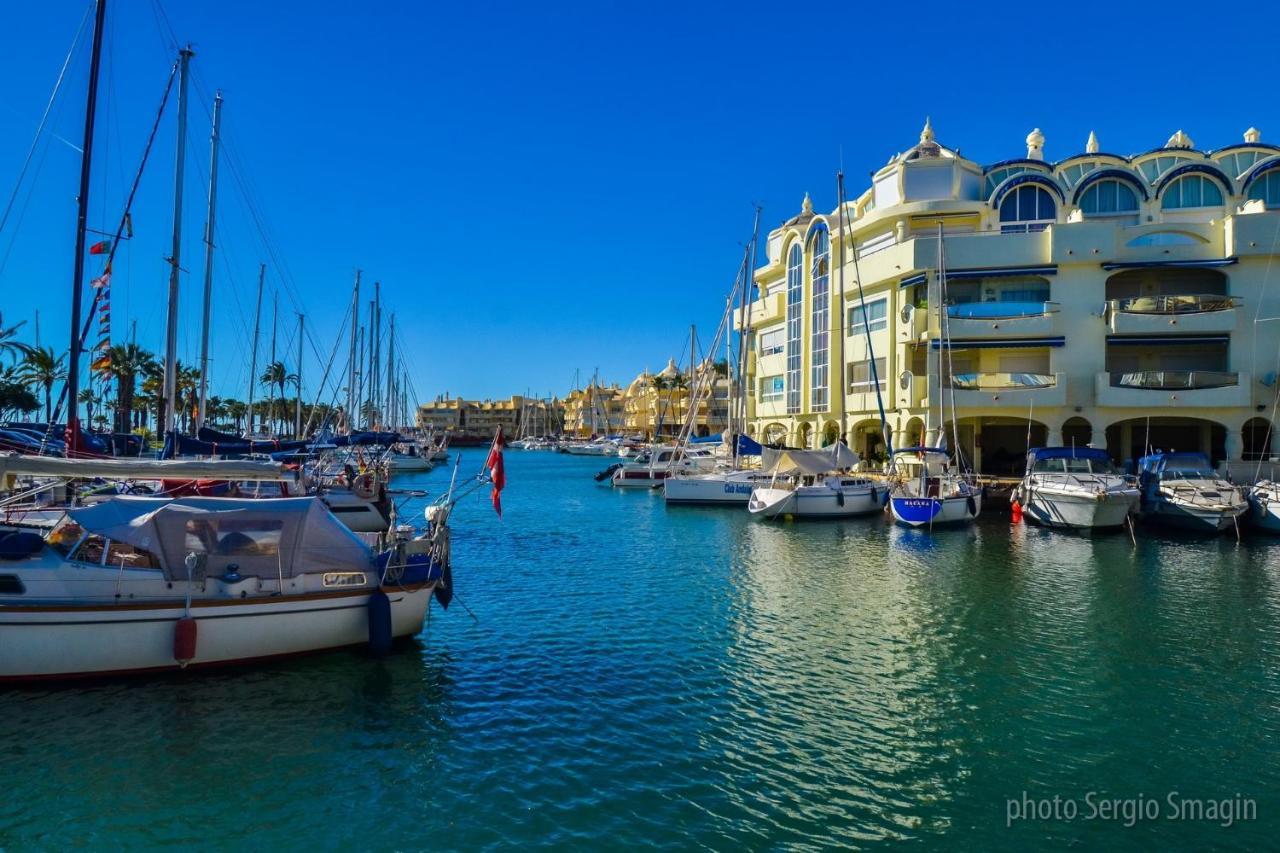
[546, 187]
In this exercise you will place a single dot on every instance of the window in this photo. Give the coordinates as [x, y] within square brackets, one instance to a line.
[91, 550]
[1191, 191]
[120, 554]
[1236, 165]
[773, 341]
[795, 295]
[999, 176]
[1027, 208]
[772, 389]
[820, 273]
[875, 320]
[860, 375]
[1073, 174]
[1106, 198]
[1266, 188]
[1157, 166]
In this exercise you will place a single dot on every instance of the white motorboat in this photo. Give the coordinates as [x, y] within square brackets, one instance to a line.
[1075, 487]
[925, 491]
[814, 484]
[132, 585]
[411, 461]
[652, 467]
[599, 447]
[1183, 490]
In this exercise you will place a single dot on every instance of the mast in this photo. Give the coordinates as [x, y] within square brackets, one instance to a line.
[376, 376]
[208, 260]
[351, 374]
[843, 370]
[253, 359]
[369, 376]
[866, 327]
[748, 282]
[171, 335]
[82, 221]
[297, 408]
[275, 316]
[391, 375]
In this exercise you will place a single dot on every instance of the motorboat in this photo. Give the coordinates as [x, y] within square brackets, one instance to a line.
[814, 484]
[411, 459]
[652, 467]
[144, 584]
[1182, 489]
[597, 447]
[925, 490]
[1075, 487]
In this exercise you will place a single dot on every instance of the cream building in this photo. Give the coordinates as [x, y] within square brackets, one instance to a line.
[658, 404]
[594, 410]
[480, 418]
[1100, 299]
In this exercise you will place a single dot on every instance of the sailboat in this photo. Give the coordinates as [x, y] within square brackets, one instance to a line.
[928, 487]
[815, 484]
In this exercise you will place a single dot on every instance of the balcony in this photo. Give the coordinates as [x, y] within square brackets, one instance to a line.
[1164, 314]
[1155, 388]
[1002, 319]
[1014, 390]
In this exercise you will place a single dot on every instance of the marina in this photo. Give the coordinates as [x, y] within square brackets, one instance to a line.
[940, 509]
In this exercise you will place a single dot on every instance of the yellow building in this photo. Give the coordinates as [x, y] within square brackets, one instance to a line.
[481, 418]
[1100, 299]
[658, 404]
[594, 410]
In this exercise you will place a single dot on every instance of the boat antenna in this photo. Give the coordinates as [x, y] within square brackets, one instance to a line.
[82, 220]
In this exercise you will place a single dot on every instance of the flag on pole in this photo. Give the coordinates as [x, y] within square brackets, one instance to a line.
[497, 475]
[100, 248]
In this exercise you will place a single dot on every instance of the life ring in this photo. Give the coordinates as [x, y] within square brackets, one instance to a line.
[362, 486]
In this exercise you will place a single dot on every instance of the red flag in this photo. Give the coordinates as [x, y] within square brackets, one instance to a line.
[100, 248]
[497, 475]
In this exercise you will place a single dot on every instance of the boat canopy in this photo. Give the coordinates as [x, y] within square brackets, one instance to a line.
[1097, 453]
[269, 537]
[14, 464]
[747, 446]
[707, 439]
[1158, 463]
[176, 444]
[830, 458]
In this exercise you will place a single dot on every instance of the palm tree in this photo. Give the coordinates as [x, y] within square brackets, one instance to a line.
[186, 396]
[127, 363]
[14, 396]
[276, 375]
[90, 399]
[679, 383]
[43, 368]
[8, 345]
[236, 410]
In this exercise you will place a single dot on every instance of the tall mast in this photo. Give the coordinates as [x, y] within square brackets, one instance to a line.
[297, 413]
[376, 377]
[391, 375]
[351, 375]
[371, 372]
[843, 368]
[253, 359]
[275, 323]
[171, 336]
[208, 261]
[82, 221]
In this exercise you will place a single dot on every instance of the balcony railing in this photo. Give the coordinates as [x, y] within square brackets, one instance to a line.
[1000, 310]
[1175, 379]
[1002, 381]
[1192, 303]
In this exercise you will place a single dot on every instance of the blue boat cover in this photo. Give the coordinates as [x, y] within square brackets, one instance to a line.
[1157, 463]
[748, 446]
[1069, 453]
[707, 439]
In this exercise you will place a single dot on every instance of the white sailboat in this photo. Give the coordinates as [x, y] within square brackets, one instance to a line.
[1264, 505]
[815, 484]
[1075, 487]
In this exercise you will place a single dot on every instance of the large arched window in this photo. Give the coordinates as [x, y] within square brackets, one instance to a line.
[795, 298]
[1266, 188]
[1027, 208]
[1109, 198]
[1191, 191]
[820, 276]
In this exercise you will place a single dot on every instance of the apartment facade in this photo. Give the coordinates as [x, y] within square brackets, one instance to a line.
[1100, 299]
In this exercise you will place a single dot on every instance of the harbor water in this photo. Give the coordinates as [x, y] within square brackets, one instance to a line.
[614, 673]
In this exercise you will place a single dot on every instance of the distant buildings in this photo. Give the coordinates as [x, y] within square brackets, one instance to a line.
[480, 419]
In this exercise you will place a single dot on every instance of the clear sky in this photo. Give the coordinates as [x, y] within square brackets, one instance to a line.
[547, 187]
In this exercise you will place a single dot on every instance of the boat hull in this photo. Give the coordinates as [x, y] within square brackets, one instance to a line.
[80, 641]
[1192, 519]
[931, 512]
[1264, 510]
[709, 491]
[814, 502]
[1079, 512]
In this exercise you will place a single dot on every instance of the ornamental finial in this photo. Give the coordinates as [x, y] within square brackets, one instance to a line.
[1035, 145]
[1091, 147]
[926, 135]
[806, 206]
[1253, 136]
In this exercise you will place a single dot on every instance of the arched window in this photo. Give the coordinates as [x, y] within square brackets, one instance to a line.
[795, 297]
[1191, 191]
[1109, 198]
[820, 276]
[1027, 208]
[1266, 188]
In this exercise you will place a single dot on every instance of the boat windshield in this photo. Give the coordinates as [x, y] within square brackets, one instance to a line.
[1073, 466]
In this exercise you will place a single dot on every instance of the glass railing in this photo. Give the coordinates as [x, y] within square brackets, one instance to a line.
[1001, 381]
[1175, 379]
[1000, 310]
[1191, 303]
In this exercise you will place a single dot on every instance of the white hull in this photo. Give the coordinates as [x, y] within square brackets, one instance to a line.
[713, 489]
[1193, 519]
[590, 450]
[820, 501]
[407, 464]
[1264, 508]
[60, 641]
[1080, 511]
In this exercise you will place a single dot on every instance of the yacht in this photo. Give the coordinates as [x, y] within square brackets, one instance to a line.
[814, 484]
[1183, 490]
[652, 467]
[1075, 487]
[926, 490]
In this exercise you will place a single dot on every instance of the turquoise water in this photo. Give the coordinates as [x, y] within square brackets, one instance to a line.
[687, 678]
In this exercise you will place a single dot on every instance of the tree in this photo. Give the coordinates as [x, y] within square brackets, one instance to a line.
[236, 410]
[127, 363]
[90, 399]
[14, 396]
[9, 345]
[43, 368]
[276, 375]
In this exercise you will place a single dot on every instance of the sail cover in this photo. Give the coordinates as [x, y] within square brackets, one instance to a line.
[262, 538]
[14, 464]
[830, 458]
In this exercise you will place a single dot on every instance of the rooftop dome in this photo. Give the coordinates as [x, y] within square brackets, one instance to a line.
[671, 370]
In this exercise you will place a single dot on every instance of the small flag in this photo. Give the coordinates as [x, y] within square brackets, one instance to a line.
[101, 281]
[128, 226]
[497, 475]
[100, 248]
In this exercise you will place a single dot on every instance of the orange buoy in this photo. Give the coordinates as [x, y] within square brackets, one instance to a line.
[184, 640]
[1016, 512]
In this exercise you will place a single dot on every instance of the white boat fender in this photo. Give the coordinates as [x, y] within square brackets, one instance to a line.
[184, 631]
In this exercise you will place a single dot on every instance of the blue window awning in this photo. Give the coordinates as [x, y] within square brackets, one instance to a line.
[1166, 340]
[911, 281]
[1007, 343]
[983, 272]
[1139, 265]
